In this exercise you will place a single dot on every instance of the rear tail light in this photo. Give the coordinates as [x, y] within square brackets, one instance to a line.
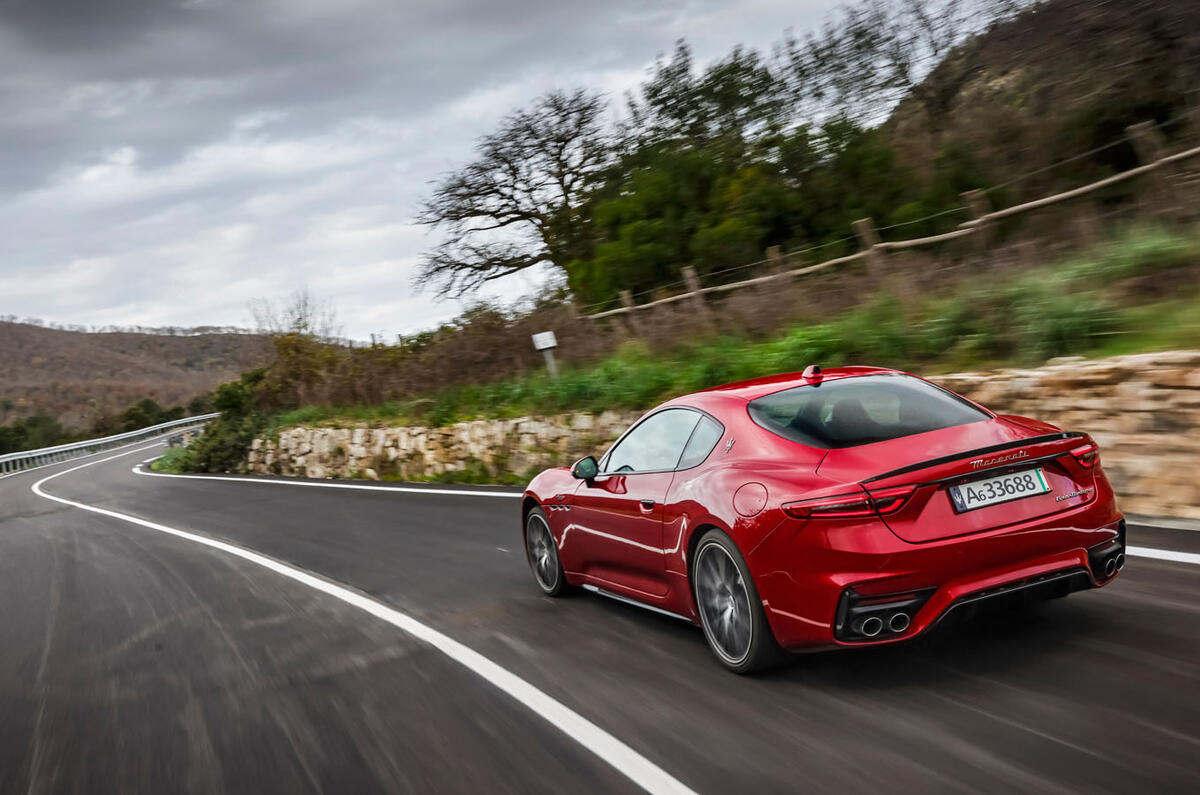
[893, 499]
[842, 506]
[851, 506]
[1087, 455]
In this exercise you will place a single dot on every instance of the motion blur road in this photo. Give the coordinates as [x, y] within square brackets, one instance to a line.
[135, 661]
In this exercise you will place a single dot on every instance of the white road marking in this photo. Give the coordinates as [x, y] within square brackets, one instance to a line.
[620, 756]
[1164, 554]
[82, 458]
[1143, 552]
[138, 470]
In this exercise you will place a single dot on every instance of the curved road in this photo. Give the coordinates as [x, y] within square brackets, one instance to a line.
[132, 660]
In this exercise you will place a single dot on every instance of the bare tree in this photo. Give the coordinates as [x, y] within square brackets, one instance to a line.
[877, 51]
[520, 202]
[301, 314]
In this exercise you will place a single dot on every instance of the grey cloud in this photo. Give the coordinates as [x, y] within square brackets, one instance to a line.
[137, 134]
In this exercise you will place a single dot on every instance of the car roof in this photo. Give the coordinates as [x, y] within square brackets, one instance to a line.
[766, 385]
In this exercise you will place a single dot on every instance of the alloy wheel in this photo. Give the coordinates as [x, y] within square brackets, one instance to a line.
[724, 603]
[543, 555]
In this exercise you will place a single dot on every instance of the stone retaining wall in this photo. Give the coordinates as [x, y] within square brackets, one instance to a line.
[1144, 410]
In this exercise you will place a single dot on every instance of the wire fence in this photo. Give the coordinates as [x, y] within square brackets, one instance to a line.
[1146, 139]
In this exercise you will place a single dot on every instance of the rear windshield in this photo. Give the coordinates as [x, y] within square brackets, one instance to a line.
[861, 410]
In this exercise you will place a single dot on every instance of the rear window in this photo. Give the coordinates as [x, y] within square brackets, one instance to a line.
[861, 410]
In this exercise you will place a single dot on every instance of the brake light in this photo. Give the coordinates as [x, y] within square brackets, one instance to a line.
[1087, 455]
[851, 506]
[891, 500]
[842, 506]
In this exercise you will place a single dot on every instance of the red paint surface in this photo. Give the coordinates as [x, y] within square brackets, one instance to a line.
[609, 538]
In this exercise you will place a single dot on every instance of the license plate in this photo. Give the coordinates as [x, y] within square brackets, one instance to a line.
[1002, 488]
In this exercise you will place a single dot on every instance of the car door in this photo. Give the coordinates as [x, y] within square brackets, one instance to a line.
[618, 515]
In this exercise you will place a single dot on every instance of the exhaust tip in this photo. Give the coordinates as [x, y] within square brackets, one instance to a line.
[898, 622]
[1110, 567]
[1120, 560]
[871, 626]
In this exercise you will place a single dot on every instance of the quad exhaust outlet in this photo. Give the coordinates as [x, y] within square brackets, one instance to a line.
[871, 626]
[898, 622]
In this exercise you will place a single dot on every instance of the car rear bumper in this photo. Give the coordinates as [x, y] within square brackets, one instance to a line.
[818, 584]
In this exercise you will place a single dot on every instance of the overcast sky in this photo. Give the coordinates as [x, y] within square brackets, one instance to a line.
[164, 162]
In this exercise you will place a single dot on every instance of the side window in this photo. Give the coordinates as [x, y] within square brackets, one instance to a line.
[708, 432]
[654, 445]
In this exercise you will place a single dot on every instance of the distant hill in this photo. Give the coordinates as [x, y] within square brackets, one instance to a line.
[76, 376]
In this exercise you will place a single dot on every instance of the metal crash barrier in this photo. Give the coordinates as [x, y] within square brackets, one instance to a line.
[28, 459]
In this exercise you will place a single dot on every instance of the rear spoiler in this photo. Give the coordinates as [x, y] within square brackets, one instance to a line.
[996, 448]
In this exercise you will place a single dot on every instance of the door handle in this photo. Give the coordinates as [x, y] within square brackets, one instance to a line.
[647, 505]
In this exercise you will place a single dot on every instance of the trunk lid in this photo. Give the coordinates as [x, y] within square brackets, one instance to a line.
[935, 461]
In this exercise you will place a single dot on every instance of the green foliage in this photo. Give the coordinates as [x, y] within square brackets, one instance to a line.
[42, 430]
[713, 163]
[1072, 307]
[237, 398]
[175, 459]
[1139, 251]
[31, 433]
[201, 404]
[223, 445]
[144, 413]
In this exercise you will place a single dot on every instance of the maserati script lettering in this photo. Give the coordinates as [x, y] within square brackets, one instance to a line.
[980, 463]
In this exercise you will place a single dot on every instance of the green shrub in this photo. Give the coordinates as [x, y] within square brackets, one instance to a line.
[175, 459]
[307, 415]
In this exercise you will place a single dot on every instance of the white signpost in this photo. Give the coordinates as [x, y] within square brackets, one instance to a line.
[546, 342]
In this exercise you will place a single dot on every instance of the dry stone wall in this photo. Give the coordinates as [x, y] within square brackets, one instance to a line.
[1143, 409]
[486, 448]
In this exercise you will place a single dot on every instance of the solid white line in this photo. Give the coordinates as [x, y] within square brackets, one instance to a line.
[138, 470]
[1164, 522]
[1164, 554]
[622, 757]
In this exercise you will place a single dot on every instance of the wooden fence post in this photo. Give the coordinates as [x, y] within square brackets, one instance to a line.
[1147, 141]
[1150, 145]
[868, 240]
[630, 322]
[692, 281]
[978, 207]
[774, 256]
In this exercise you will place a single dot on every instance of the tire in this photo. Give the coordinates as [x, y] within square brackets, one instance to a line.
[731, 612]
[542, 554]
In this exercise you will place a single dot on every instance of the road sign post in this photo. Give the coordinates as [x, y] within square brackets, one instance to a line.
[546, 343]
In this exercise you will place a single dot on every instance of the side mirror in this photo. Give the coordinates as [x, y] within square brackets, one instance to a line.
[585, 468]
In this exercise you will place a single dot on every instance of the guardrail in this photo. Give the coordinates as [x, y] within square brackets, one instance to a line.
[28, 459]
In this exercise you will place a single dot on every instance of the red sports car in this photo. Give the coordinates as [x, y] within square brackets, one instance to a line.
[819, 509]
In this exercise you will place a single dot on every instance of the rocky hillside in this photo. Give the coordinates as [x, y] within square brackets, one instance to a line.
[1060, 80]
[77, 376]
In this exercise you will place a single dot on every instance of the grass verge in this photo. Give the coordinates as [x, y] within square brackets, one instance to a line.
[1138, 292]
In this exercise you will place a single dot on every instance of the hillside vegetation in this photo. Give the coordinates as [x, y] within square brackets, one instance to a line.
[1035, 103]
[711, 165]
[1138, 292]
[1107, 301]
[77, 378]
[888, 112]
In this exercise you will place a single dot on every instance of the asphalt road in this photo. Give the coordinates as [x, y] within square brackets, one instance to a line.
[135, 661]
